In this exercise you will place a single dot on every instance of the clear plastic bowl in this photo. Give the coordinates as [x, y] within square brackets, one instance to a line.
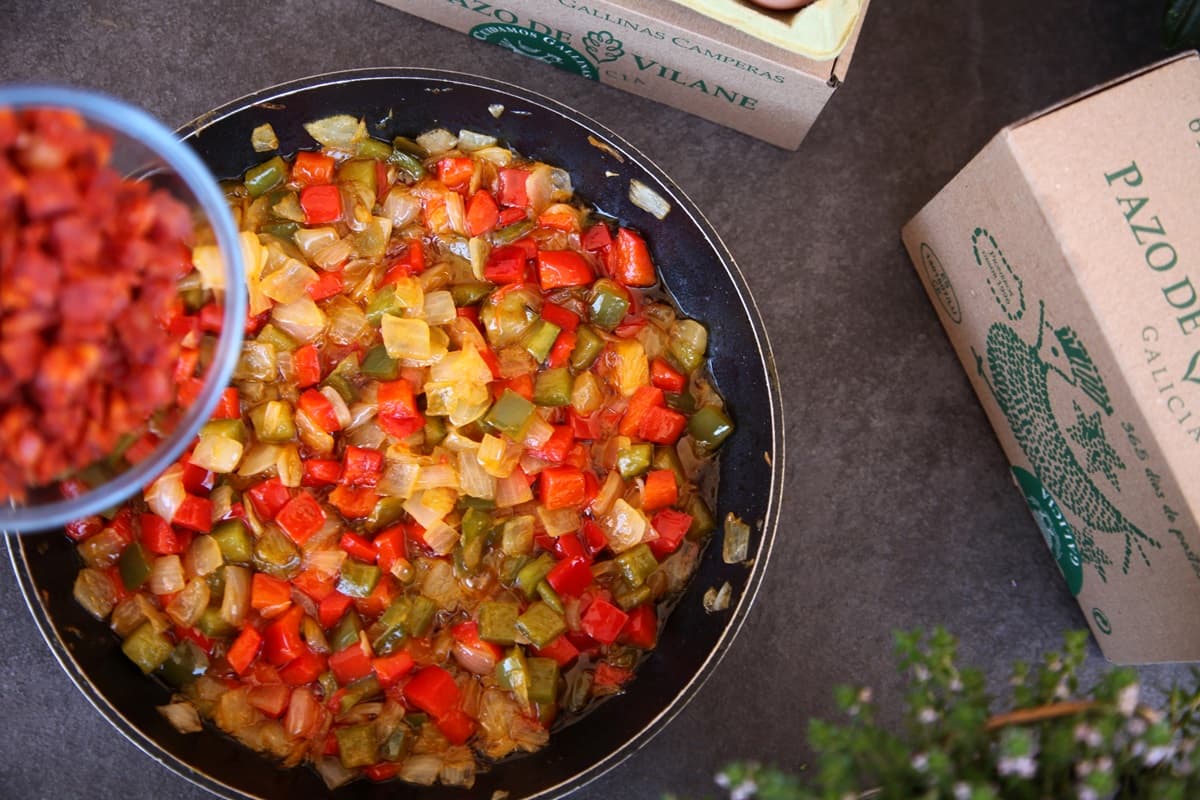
[143, 148]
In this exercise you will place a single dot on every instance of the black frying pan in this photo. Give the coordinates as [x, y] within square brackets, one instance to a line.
[703, 280]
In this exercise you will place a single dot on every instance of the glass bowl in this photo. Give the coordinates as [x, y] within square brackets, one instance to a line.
[143, 149]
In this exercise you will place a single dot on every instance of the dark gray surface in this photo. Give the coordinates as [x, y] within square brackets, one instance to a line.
[898, 509]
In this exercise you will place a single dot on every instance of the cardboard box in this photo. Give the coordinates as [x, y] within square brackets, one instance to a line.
[1064, 262]
[664, 51]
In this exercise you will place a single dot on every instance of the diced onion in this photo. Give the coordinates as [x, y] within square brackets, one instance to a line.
[440, 538]
[167, 493]
[559, 521]
[166, 575]
[325, 563]
[435, 476]
[406, 338]
[478, 250]
[399, 478]
[313, 240]
[95, 592]
[288, 465]
[400, 206]
[421, 770]
[334, 254]
[633, 369]
[300, 319]
[647, 199]
[340, 131]
[207, 260]
[498, 456]
[471, 141]
[736, 544]
[425, 515]
[333, 773]
[182, 716]
[473, 478]
[546, 185]
[624, 526]
[718, 599]
[259, 458]
[537, 432]
[203, 557]
[256, 363]
[312, 435]
[288, 283]
[186, 607]
[236, 600]
[512, 491]
[499, 156]
[437, 141]
[217, 453]
[439, 308]
[612, 488]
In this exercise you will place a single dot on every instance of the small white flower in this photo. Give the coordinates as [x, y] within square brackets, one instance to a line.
[956, 685]
[1104, 764]
[1127, 699]
[1088, 793]
[722, 780]
[921, 673]
[864, 694]
[920, 762]
[744, 790]
[927, 716]
[1156, 755]
[1021, 766]
[1083, 769]
[1135, 727]
[962, 791]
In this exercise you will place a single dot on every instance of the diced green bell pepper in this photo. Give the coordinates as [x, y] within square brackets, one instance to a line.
[345, 633]
[273, 421]
[513, 675]
[342, 378]
[553, 387]
[517, 537]
[358, 745]
[588, 347]
[435, 430]
[510, 414]
[358, 170]
[377, 364]
[550, 597]
[631, 598]
[534, 573]
[396, 746]
[539, 339]
[266, 176]
[186, 663]
[134, 565]
[233, 429]
[147, 648]
[212, 624]
[510, 233]
[374, 149]
[385, 301]
[387, 511]
[543, 680]
[710, 426]
[666, 457]
[357, 691]
[637, 564]
[541, 624]
[476, 524]
[358, 579]
[608, 304]
[468, 294]
[281, 230]
[634, 460]
[277, 338]
[703, 521]
[498, 622]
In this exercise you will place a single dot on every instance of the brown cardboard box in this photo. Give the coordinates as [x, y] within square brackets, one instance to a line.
[1064, 262]
[661, 50]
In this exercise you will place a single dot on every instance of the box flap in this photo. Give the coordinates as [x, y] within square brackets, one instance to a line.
[1190, 54]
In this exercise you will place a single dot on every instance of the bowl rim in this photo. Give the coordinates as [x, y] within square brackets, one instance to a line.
[18, 551]
[140, 126]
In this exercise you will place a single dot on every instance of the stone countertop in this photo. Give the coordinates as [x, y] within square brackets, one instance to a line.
[898, 508]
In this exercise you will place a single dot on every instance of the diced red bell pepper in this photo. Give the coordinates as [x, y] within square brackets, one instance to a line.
[662, 425]
[455, 171]
[433, 691]
[281, 638]
[660, 490]
[381, 597]
[311, 169]
[81, 529]
[244, 649]
[197, 480]
[390, 669]
[158, 536]
[194, 636]
[603, 621]
[361, 466]
[332, 608]
[327, 284]
[211, 317]
[666, 377]
[671, 526]
[383, 771]
[350, 663]
[185, 364]
[304, 668]
[353, 503]
[512, 187]
[559, 220]
[562, 487]
[607, 676]
[584, 427]
[641, 630]
[314, 584]
[271, 699]
[410, 262]
[319, 409]
[321, 204]
[632, 265]
[358, 547]
[510, 215]
[269, 497]
[570, 547]
[187, 392]
[230, 406]
[482, 213]
[630, 328]
[505, 265]
[564, 318]
[141, 449]
[645, 398]
[301, 518]
[596, 237]
[194, 513]
[456, 726]
[398, 413]
[557, 446]
[467, 634]
[560, 353]
[559, 268]
[561, 650]
[321, 472]
[570, 576]
[267, 591]
[521, 384]
[390, 546]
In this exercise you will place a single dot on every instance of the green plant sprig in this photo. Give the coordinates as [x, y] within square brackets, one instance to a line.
[1053, 740]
